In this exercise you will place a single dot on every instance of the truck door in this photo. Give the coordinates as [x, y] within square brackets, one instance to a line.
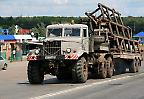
[85, 40]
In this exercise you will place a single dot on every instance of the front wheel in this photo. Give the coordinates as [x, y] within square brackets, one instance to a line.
[80, 71]
[35, 72]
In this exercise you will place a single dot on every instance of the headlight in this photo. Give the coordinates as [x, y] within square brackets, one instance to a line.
[68, 50]
[37, 52]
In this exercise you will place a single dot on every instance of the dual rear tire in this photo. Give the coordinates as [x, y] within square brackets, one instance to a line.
[135, 65]
[106, 68]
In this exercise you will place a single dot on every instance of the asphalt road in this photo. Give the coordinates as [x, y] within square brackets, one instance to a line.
[14, 85]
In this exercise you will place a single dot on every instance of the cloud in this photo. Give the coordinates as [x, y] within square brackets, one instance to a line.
[68, 7]
[60, 2]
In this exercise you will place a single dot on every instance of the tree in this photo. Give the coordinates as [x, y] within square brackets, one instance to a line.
[40, 29]
[12, 29]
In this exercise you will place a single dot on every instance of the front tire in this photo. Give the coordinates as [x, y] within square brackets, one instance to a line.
[35, 72]
[80, 71]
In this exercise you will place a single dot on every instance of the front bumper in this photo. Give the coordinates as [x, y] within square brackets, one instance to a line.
[59, 57]
[62, 57]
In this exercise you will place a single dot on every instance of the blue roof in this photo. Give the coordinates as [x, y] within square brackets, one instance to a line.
[140, 34]
[7, 37]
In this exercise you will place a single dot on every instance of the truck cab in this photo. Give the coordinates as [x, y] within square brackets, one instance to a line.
[66, 41]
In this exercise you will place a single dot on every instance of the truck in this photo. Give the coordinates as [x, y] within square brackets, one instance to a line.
[101, 46]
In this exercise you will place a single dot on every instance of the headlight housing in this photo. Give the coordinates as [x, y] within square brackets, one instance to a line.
[37, 51]
[68, 50]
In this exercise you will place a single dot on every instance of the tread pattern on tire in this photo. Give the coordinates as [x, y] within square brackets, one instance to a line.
[77, 72]
[133, 66]
[138, 65]
[103, 71]
[35, 75]
[109, 67]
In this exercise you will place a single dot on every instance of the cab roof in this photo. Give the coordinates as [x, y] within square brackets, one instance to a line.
[67, 26]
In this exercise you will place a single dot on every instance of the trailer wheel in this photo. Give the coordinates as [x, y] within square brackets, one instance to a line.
[80, 71]
[35, 73]
[110, 67]
[103, 70]
[133, 66]
[138, 65]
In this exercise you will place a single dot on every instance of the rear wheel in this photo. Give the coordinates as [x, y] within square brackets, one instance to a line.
[138, 65]
[80, 71]
[103, 70]
[35, 72]
[133, 66]
[110, 67]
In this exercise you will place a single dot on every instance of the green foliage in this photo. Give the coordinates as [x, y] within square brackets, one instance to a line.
[40, 29]
[136, 23]
[12, 29]
[38, 24]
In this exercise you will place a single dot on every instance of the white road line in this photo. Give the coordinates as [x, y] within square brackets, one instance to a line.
[82, 87]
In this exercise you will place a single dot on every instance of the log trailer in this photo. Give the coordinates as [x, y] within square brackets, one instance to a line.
[101, 46]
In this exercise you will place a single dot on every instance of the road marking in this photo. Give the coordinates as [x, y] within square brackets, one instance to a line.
[82, 87]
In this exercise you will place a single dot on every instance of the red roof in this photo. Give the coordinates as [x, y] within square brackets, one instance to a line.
[23, 31]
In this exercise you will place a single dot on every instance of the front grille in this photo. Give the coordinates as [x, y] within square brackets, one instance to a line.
[52, 48]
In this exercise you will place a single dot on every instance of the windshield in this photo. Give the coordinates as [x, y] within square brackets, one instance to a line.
[55, 32]
[71, 32]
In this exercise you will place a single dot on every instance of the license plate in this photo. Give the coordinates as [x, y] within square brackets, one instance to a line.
[50, 57]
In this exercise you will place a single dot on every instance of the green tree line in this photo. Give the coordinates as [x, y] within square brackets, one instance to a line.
[39, 23]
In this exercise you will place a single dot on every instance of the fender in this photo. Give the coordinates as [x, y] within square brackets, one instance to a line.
[74, 56]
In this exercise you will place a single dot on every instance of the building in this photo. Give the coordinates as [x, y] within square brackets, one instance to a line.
[23, 31]
[22, 40]
[140, 36]
[9, 43]
[4, 31]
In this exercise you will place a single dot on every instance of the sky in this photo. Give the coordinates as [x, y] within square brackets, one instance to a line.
[67, 7]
